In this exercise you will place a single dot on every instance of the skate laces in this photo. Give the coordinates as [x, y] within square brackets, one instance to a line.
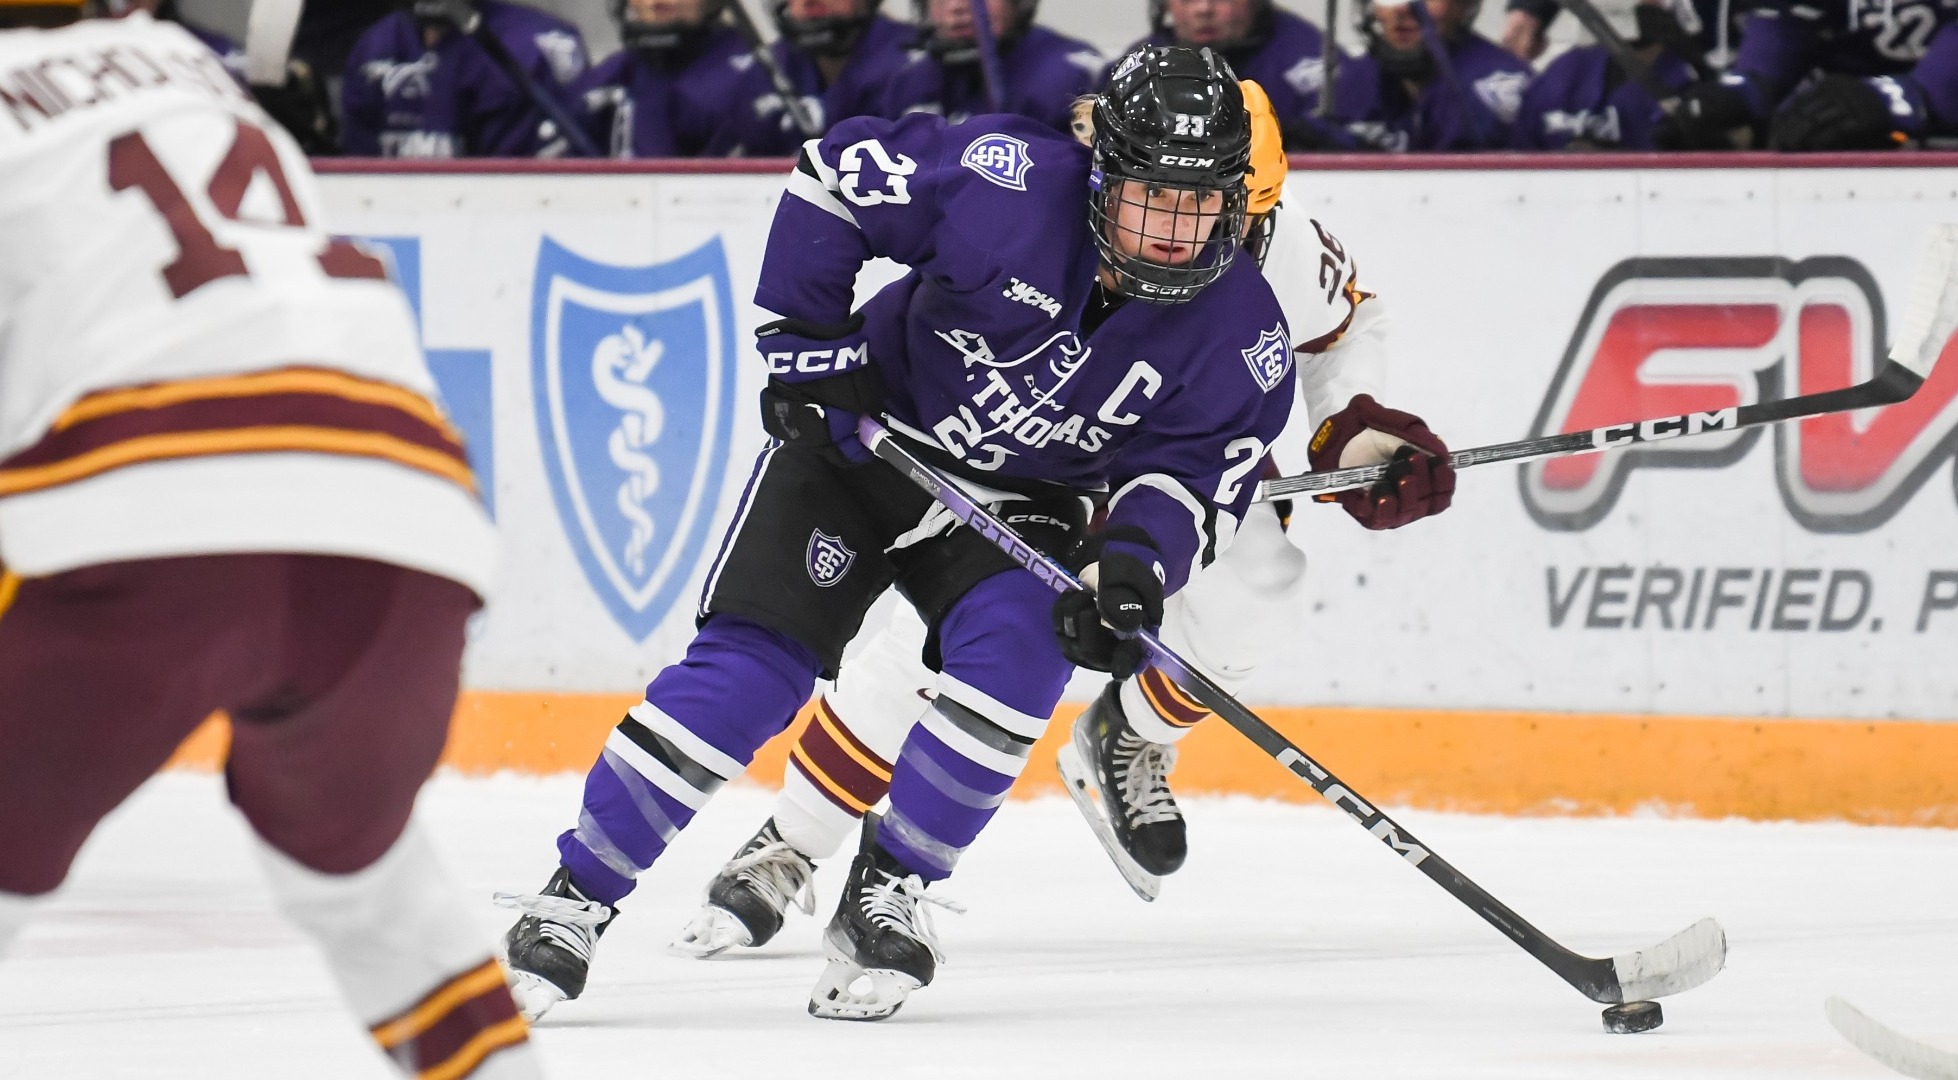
[571, 923]
[902, 904]
[780, 874]
[1145, 766]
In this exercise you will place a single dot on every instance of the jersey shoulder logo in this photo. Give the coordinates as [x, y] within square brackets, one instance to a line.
[1270, 358]
[1001, 159]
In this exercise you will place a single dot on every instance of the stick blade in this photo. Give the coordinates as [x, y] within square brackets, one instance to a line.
[1677, 964]
[268, 40]
[1931, 310]
[1900, 1052]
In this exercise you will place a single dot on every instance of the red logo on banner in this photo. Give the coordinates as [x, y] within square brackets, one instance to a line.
[1664, 337]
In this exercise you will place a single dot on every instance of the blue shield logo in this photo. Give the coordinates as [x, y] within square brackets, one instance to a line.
[827, 559]
[634, 373]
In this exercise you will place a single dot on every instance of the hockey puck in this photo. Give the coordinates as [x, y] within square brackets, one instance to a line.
[1633, 1017]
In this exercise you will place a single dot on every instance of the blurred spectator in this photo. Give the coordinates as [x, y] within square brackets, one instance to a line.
[1280, 51]
[418, 86]
[666, 92]
[300, 106]
[1429, 83]
[839, 56]
[1042, 71]
[1586, 100]
[1830, 75]
[1714, 24]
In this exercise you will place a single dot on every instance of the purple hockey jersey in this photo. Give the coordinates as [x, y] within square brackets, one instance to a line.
[1472, 112]
[1043, 71]
[1289, 64]
[1583, 98]
[640, 105]
[983, 349]
[1908, 49]
[758, 125]
[403, 98]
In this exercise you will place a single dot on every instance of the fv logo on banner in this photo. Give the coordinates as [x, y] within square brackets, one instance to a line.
[634, 374]
[1664, 337]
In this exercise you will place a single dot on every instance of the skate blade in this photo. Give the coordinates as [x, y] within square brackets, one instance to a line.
[1148, 886]
[535, 995]
[713, 931]
[840, 995]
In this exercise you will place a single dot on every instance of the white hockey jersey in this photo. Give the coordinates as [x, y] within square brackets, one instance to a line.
[1339, 331]
[189, 363]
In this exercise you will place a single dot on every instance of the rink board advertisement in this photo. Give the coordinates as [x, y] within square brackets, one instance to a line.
[593, 335]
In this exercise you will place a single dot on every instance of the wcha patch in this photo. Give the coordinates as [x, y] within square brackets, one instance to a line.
[828, 559]
[1001, 159]
[1270, 358]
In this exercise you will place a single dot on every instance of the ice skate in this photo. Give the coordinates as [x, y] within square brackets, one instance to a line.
[748, 900]
[549, 949]
[1120, 781]
[880, 945]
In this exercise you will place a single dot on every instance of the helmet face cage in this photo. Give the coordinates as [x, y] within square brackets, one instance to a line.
[954, 52]
[1172, 143]
[827, 35]
[665, 37]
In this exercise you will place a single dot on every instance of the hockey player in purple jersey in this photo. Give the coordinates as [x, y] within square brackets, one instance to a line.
[1586, 101]
[1110, 340]
[838, 54]
[1400, 95]
[665, 93]
[417, 86]
[1273, 48]
[1830, 75]
[1042, 72]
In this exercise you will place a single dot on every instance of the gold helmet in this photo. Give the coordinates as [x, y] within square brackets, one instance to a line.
[1264, 180]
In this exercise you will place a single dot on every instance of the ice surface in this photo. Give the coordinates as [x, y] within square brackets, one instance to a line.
[1290, 945]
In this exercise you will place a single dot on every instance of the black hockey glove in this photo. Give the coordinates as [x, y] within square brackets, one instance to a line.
[1127, 575]
[820, 380]
[1708, 115]
[1837, 113]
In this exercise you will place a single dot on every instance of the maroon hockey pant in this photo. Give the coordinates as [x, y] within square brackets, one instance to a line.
[339, 675]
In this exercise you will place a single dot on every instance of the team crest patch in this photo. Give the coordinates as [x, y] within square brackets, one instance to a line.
[1001, 159]
[828, 559]
[634, 369]
[1270, 358]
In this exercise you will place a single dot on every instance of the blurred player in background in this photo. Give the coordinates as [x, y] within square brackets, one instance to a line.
[839, 55]
[665, 93]
[1042, 71]
[1829, 75]
[418, 86]
[1274, 48]
[224, 486]
[1586, 100]
[1124, 744]
[1438, 86]
[1011, 354]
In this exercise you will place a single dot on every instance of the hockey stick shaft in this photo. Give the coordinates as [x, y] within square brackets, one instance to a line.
[1620, 50]
[1892, 384]
[546, 101]
[988, 45]
[1329, 60]
[792, 102]
[1595, 979]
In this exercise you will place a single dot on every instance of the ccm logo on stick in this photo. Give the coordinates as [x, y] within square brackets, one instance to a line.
[1698, 338]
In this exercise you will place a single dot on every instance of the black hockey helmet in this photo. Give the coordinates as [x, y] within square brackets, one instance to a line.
[828, 35]
[459, 14]
[1170, 118]
[1259, 32]
[954, 52]
[664, 38]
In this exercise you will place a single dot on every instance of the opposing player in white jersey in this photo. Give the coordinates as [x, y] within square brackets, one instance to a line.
[1123, 745]
[224, 485]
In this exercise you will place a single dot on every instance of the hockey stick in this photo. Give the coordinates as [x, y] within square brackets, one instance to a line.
[268, 40]
[988, 46]
[1678, 963]
[792, 103]
[467, 19]
[1328, 60]
[1621, 51]
[1901, 1052]
[1930, 319]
